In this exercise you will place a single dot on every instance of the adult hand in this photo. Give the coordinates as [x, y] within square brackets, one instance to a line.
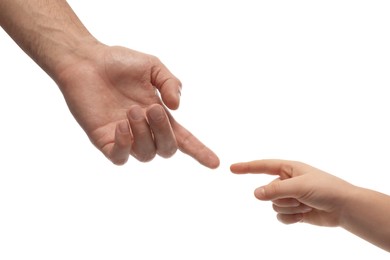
[114, 94]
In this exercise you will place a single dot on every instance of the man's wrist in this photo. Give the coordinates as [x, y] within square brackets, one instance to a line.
[79, 51]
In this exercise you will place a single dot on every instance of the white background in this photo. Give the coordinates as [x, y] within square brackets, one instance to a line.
[300, 80]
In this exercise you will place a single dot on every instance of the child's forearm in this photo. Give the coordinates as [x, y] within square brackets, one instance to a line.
[367, 215]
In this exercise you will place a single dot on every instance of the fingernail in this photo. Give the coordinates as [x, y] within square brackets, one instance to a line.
[123, 127]
[179, 92]
[136, 113]
[260, 192]
[156, 113]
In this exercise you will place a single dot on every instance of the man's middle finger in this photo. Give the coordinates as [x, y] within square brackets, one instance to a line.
[143, 148]
[164, 137]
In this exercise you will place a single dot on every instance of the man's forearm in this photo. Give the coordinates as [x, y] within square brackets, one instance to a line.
[47, 30]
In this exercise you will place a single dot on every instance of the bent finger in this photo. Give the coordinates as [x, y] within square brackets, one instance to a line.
[282, 189]
[287, 202]
[167, 84]
[301, 208]
[164, 137]
[290, 218]
[121, 148]
[143, 148]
